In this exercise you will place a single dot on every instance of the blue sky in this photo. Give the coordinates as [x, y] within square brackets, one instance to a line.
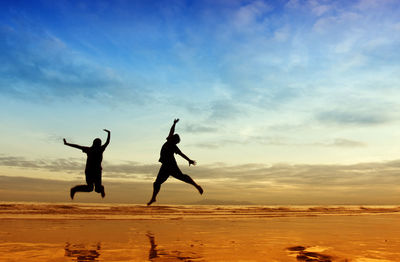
[265, 83]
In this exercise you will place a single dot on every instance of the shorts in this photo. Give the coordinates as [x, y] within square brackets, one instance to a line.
[167, 170]
[94, 177]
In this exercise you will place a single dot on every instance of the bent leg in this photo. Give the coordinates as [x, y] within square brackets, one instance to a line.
[98, 187]
[161, 178]
[81, 188]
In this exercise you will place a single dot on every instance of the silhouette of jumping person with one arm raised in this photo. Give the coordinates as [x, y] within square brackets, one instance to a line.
[93, 166]
[169, 165]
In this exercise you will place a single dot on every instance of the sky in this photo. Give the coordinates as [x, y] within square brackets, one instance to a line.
[280, 102]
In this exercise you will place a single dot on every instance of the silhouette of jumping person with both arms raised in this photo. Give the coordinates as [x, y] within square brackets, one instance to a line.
[169, 165]
[93, 166]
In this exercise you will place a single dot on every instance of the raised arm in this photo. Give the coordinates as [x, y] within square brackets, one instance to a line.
[172, 131]
[108, 138]
[73, 145]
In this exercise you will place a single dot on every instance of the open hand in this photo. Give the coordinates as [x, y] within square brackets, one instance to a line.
[108, 131]
[176, 120]
[65, 141]
[192, 162]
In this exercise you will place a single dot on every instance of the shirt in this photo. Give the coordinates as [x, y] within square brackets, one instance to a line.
[167, 153]
[94, 158]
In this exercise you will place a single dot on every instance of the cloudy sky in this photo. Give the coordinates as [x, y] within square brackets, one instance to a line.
[281, 102]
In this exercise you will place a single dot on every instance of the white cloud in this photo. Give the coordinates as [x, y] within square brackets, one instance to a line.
[396, 26]
[374, 4]
[59, 72]
[351, 62]
[293, 4]
[247, 15]
[347, 44]
[344, 21]
[342, 142]
[282, 34]
[321, 9]
[222, 90]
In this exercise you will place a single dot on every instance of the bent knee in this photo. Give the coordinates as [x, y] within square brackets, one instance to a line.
[99, 189]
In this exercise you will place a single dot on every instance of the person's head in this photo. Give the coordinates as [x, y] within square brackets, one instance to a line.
[175, 139]
[97, 142]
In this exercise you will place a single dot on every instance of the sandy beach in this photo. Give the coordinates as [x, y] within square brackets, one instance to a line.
[92, 232]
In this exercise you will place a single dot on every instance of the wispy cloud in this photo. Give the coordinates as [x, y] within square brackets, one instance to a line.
[323, 67]
[342, 142]
[49, 190]
[68, 165]
[279, 141]
[352, 118]
[247, 15]
[363, 183]
[40, 66]
[195, 128]
[224, 110]
[122, 170]
[374, 4]
[279, 174]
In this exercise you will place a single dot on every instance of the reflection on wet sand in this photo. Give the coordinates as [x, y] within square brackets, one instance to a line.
[82, 253]
[303, 254]
[158, 254]
[336, 238]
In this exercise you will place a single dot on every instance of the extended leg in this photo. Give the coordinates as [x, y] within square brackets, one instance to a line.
[189, 180]
[156, 189]
[161, 178]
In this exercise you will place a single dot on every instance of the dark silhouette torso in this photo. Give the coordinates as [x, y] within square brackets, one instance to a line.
[94, 158]
[167, 153]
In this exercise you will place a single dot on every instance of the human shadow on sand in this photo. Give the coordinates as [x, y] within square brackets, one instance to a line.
[159, 254]
[82, 253]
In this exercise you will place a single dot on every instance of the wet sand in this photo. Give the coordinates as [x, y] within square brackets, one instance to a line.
[66, 232]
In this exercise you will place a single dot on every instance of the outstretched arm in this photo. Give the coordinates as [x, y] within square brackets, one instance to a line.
[108, 138]
[191, 162]
[172, 131]
[73, 145]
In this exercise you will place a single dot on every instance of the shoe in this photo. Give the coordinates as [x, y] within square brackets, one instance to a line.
[200, 190]
[103, 194]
